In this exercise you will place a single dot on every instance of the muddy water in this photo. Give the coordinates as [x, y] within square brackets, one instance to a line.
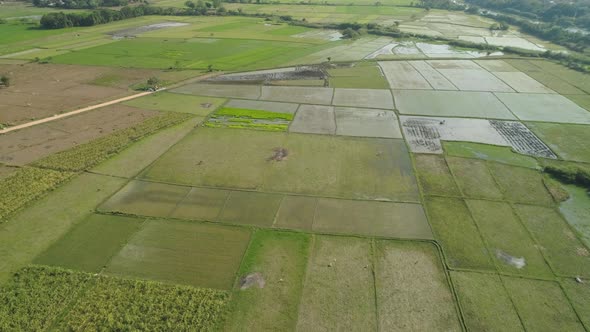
[576, 211]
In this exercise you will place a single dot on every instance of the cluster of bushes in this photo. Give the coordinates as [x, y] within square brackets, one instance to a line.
[569, 173]
[40, 297]
[25, 185]
[80, 4]
[90, 154]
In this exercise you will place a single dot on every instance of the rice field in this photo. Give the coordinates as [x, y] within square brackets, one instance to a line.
[399, 186]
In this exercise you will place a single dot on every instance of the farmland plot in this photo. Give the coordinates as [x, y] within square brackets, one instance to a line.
[544, 107]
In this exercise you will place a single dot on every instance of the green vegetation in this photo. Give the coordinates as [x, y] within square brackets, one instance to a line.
[504, 235]
[173, 102]
[37, 295]
[569, 141]
[474, 178]
[568, 172]
[252, 114]
[362, 75]
[240, 118]
[280, 258]
[26, 185]
[521, 185]
[90, 245]
[485, 303]
[39, 298]
[119, 304]
[566, 255]
[189, 253]
[434, 175]
[90, 154]
[500, 154]
[542, 305]
[454, 228]
[28, 233]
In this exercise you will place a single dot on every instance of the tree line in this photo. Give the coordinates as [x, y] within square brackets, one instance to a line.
[80, 4]
[61, 20]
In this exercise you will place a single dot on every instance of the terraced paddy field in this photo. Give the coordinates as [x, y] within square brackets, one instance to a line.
[383, 196]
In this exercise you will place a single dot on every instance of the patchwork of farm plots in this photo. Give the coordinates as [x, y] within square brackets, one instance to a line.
[398, 195]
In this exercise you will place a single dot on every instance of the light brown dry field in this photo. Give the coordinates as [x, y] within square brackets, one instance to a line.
[30, 144]
[42, 90]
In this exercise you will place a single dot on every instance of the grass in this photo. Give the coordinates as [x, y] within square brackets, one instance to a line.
[30, 232]
[253, 114]
[456, 231]
[174, 102]
[485, 303]
[44, 298]
[434, 175]
[500, 154]
[338, 292]
[201, 204]
[474, 178]
[412, 289]
[578, 294]
[502, 231]
[87, 155]
[120, 304]
[569, 141]
[581, 100]
[36, 296]
[181, 252]
[296, 212]
[131, 160]
[521, 185]
[566, 255]
[146, 199]
[316, 165]
[542, 305]
[360, 76]
[385, 219]
[250, 208]
[90, 245]
[161, 53]
[281, 258]
[25, 185]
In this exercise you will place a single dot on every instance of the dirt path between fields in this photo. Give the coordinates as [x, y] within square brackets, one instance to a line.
[93, 107]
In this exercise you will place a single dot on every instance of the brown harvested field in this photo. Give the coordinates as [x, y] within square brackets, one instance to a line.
[29, 144]
[42, 90]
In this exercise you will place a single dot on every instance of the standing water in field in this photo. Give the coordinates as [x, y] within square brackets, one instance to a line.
[576, 211]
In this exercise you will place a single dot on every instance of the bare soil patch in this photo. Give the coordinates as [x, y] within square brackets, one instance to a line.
[42, 90]
[30, 144]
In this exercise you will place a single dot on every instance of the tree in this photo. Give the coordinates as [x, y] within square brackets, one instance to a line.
[153, 83]
[190, 4]
[210, 68]
[5, 80]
